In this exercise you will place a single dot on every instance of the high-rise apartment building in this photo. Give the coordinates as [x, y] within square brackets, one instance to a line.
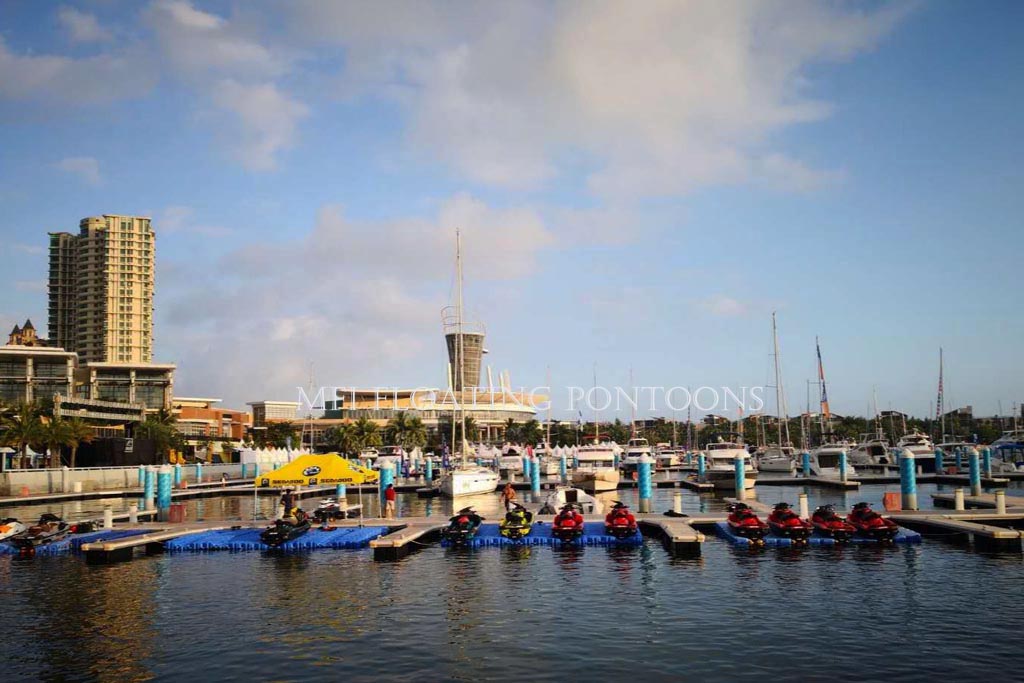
[101, 290]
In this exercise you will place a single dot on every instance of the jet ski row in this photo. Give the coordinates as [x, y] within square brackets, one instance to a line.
[49, 529]
[862, 521]
[567, 526]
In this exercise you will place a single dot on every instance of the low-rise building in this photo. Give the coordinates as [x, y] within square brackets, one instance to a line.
[151, 384]
[34, 373]
[200, 418]
[273, 411]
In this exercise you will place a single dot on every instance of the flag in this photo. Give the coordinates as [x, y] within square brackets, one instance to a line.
[821, 380]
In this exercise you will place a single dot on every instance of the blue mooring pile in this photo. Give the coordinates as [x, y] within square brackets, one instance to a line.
[249, 539]
[593, 534]
[73, 544]
[904, 536]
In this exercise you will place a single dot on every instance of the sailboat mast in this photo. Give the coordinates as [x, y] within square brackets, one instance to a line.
[597, 414]
[459, 349]
[632, 415]
[547, 440]
[779, 401]
[940, 413]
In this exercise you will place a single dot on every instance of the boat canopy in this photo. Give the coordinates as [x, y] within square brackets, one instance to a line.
[317, 470]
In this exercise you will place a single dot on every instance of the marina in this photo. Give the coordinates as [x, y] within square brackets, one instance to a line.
[543, 341]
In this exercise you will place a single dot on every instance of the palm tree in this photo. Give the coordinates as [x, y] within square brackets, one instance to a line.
[531, 432]
[20, 428]
[511, 430]
[79, 433]
[405, 431]
[367, 433]
[55, 434]
[343, 439]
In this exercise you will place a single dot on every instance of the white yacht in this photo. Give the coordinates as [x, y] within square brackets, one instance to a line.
[511, 459]
[468, 480]
[595, 471]
[667, 456]
[825, 460]
[871, 449]
[777, 459]
[636, 448]
[595, 455]
[918, 443]
[563, 495]
[721, 468]
[922, 448]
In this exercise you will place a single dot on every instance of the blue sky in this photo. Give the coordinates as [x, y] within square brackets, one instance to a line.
[638, 187]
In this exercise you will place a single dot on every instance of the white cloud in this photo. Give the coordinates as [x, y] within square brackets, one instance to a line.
[203, 47]
[86, 168]
[266, 119]
[62, 80]
[655, 98]
[181, 220]
[32, 249]
[724, 306]
[357, 298]
[235, 69]
[30, 285]
[81, 27]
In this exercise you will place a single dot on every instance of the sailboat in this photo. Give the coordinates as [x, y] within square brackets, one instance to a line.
[779, 457]
[825, 458]
[465, 479]
[595, 471]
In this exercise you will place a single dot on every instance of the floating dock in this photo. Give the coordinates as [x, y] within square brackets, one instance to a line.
[905, 536]
[488, 535]
[73, 543]
[348, 538]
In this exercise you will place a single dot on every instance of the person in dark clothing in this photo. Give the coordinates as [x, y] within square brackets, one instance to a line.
[287, 502]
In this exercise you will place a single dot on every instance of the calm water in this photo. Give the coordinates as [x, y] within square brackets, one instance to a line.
[858, 613]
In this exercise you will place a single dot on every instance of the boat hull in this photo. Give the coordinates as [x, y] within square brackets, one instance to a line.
[596, 481]
[468, 483]
[726, 480]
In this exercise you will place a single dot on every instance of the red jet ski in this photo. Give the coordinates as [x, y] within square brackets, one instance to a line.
[785, 523]
[829, 524]
[743, 522]
[568, 524]
[620, 522]
[869, 523]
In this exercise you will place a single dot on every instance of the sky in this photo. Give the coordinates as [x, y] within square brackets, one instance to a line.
[638, 186]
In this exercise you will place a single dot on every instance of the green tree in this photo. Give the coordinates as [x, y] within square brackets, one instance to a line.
[278, 435]
[618, 432]
[406, 431]
[56, 433]
[367, 433]
[531, 432]
[343, 439]
[20, 428]
[512, 432]
[78, 432]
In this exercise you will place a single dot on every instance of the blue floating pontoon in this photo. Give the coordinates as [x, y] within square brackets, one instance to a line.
[249, 539]
[903, 536]
[74, 542]
[593, 534]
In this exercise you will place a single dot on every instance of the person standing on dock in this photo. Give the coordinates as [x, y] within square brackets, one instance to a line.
[287, 502]
[508, 496]
[389, 502]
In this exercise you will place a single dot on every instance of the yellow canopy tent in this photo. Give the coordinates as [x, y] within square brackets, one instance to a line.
[317, 470]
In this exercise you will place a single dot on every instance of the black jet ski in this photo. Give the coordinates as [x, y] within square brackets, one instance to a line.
[286, 529]
[50, 529]
[462, 527]
[327, 510]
